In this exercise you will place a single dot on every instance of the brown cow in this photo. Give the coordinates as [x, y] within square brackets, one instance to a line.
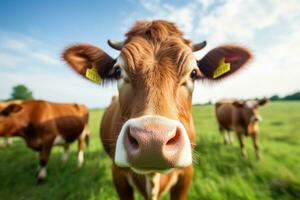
[43, 124]
[241, 117]
[148, 130]
[7, 141]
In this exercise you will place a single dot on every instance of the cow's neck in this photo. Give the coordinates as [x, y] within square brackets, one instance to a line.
[153, 186]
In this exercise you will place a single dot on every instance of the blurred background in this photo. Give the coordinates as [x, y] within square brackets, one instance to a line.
[33, 35]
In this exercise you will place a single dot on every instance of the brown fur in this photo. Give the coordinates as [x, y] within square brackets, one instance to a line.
[7, 141]
[156, 31]
[157, 59]
[154, 59]
[39, 122]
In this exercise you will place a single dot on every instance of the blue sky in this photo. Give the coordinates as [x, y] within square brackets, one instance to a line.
[34, 33]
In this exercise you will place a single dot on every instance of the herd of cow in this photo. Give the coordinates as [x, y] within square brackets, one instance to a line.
[150, 122]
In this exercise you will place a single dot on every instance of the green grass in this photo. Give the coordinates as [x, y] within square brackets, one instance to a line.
[220, 172]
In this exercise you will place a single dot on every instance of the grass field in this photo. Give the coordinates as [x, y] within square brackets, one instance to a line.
[220, 172]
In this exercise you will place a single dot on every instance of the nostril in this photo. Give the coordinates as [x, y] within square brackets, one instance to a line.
[134, 145]
[174, 140]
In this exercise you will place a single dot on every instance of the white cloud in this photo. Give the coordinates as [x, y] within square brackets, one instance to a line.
[237, 19]
[27, 60]
[270, 28]
[8, 60]
[44, 57]
[182, 16]
[25, 49]
[12, 44]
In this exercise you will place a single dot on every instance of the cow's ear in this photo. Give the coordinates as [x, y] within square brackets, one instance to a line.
[89, 61]
[223, 61]
[11, 108]
[238, 104]
[262, 101]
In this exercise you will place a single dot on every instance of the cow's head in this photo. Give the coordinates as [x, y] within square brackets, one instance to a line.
[155, 73]
[249, 111]
[8, 124]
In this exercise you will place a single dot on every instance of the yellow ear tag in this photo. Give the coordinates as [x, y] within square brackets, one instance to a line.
[222, 68]
[93, 75]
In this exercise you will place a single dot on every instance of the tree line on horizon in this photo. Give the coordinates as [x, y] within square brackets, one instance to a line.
[22, 92]
[290, 97]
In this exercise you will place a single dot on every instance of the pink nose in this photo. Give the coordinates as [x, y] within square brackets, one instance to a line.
[154, 146]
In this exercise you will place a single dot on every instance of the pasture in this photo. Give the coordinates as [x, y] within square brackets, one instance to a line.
[220, 172]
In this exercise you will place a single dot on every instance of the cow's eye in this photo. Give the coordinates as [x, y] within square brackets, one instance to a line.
[193, 74]
[117, 72]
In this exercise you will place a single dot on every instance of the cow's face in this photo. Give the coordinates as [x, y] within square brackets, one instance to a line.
[155, 80]
[250, 112]
[7, 121]
[155, 74]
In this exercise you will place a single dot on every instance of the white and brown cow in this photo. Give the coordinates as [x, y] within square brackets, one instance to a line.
[241, 117]
[148, 130]
[43, 124]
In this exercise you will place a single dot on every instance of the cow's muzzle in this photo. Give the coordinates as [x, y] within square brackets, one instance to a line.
[153, 143]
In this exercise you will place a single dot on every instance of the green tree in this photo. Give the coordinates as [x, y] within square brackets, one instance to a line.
[275, 98]
[21, 92]
[295, 96]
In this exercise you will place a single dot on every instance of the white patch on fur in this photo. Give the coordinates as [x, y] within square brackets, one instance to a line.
[244, 152]
[65, 155]
[251, 103]
[120, 63]
[226, 139]
[152, 186]
[59, 140]
[120, 155]
[191, 65]
[80, 158]
[230, 136]
[258, 117]
[42, 173]
[190, 85]
[8, 141]
[130, 181]
[185, 157]
[148, 187]
[120, 83]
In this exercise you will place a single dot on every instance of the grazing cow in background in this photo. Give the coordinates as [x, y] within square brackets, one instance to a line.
[43, 124]
[241, 117]
[7, 141]
[148, 130]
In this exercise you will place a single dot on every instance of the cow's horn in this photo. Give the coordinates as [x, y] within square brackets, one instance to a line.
[115, 44]
[199, 46]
